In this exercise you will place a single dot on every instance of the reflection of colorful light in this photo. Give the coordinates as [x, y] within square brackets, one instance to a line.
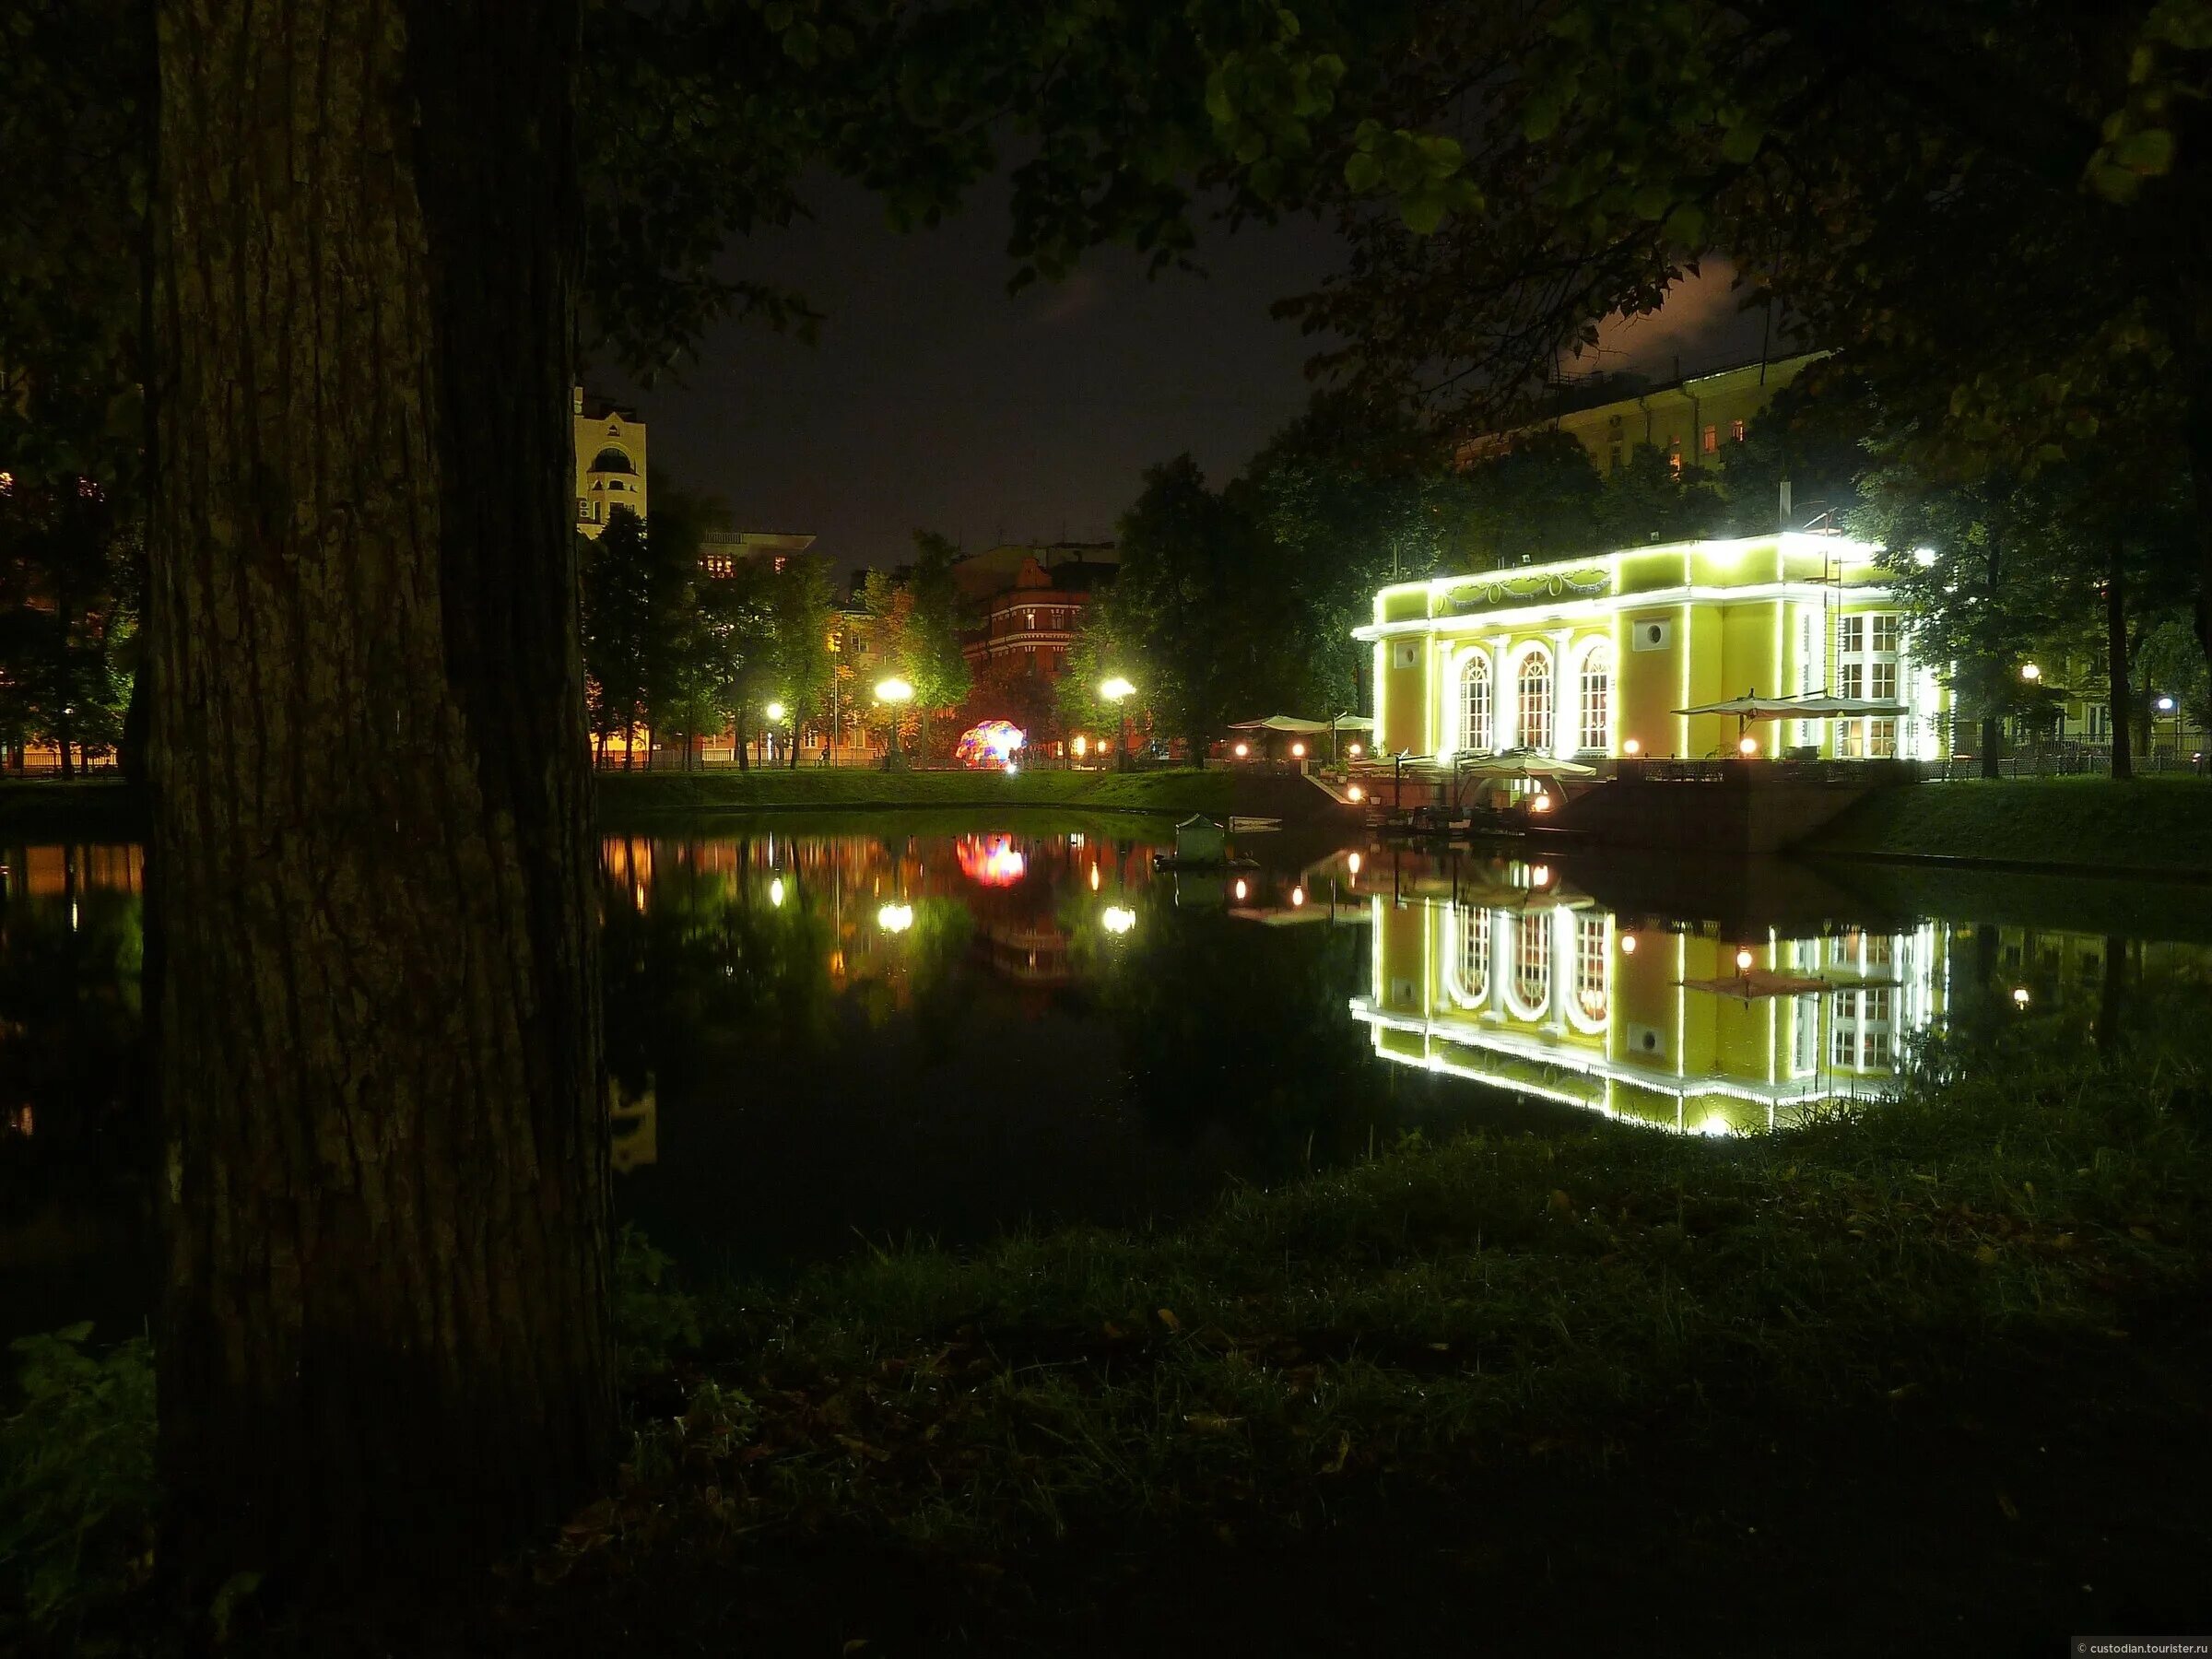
[775, 891]
[895, 918]
[991, 860]
[1094, 878]
[1116, 920]
[989, 743]
[1242, 889]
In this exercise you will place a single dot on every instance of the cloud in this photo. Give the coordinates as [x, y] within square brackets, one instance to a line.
[1701, 326]
[1064, 302]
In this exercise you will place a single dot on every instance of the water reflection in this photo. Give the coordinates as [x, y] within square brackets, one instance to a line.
[814, 1036]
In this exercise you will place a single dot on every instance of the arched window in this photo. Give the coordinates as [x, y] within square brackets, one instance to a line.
[1473, 988]
[1589, 967]
[1532, 964]
[1477, 690]
[611, 460]
[1597, 726]
[1536, 700]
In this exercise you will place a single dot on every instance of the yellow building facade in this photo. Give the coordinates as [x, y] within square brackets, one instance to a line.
[1594, 658]
[1693, 421]
[610, 461]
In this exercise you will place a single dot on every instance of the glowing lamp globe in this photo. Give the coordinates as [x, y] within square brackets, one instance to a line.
[1747, 746]
[1631, 748]
[774, 710]
[1743, 961]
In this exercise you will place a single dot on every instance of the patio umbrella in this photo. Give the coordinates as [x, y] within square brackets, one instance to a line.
[1524, 764]
[1809, 705]
[1280, 722]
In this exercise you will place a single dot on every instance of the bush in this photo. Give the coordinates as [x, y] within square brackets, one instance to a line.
[78, 1489]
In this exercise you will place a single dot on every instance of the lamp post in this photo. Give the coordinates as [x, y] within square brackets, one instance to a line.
[775, 716]
[895, 693]
[1117, 691]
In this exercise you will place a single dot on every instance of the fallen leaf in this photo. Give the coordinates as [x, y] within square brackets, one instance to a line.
[1167, 1317]
[2011, 1510]
[1984, 1254]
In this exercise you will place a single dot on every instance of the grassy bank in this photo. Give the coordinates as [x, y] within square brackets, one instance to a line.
[2089, 824]
[1626, 1389]
[107, 810]
[628, 794]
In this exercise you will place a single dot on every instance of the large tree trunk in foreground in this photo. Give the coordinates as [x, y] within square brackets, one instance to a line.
[383, 1335]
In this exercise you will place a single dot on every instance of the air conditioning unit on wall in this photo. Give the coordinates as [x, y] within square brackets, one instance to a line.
[1406, 654]
[1651, 636]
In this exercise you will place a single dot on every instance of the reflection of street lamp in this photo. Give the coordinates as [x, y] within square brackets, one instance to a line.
[2030, 673]
[1117, 691]
[1118, 920]
[895, 918]
[896, 693]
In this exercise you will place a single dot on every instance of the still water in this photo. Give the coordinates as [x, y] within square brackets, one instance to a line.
[946, 1029]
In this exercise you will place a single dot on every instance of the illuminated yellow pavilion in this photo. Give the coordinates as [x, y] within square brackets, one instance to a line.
[1594, 656]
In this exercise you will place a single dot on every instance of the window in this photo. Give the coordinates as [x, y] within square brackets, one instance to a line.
[1595, 727]
[583, 510]
[1612, 458]
[1674, 456]
[1536, 700]
[1474, 987]
[1882, 681]
[1590, 966]
[1845, 1050]
[1807, 1054]
[1887, 627]
[1710, 442]
[1870, 664]
[1476, 732]
[1736, 430]
[1532, 967]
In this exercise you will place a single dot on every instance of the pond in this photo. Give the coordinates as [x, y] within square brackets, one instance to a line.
[937, 1027]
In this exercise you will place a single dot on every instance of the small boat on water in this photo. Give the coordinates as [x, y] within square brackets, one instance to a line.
[1202, 845]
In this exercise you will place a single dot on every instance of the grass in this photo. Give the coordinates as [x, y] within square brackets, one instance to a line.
[1623, 1387]
[2153, 824]
[623, 794]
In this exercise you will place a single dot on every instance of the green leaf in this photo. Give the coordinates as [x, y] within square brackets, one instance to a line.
[1423, 213]
[1653, 199]
[1363, 171]
[75, 1333]
[2148, 153]
[1685, 225]
[1741, 142]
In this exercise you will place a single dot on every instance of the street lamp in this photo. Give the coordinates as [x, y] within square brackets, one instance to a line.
[1117, 691]
[775, 718]
[2030, 673]
[896, 693]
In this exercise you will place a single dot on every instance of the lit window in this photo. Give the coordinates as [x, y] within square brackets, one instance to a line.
[1474, 987]
[1531, 968]
[1674, 456]
[1883, 681]
[1735, 429]
[1886, 624]
[1710, 442]
[1590, 965]
[1881, 739]
[1477, 690]
[1597, 698]
[1536, 700]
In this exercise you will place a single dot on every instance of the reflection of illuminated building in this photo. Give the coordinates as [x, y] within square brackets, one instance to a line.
[1545, 994]
[991, 860]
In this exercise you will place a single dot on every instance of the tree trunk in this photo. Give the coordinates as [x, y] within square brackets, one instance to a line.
[2115, 651]
[384, 1319]
[2194, 366]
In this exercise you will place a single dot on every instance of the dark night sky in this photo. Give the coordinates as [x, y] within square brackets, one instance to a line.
[935, 399]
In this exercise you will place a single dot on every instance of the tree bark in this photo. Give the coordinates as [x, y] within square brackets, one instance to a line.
[2118, 694]
[384, 1324]
[1991, 731]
